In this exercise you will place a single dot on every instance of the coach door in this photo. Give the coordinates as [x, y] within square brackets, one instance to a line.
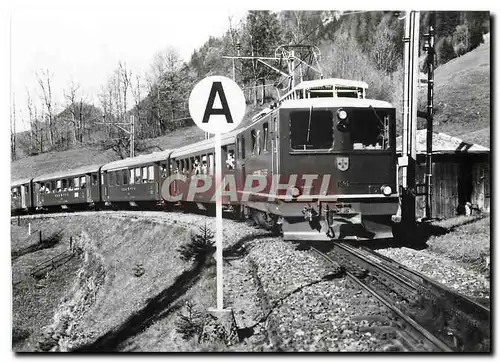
[88, 189]
[241, 156]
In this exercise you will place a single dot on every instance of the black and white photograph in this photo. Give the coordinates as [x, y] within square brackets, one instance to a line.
[201, 178]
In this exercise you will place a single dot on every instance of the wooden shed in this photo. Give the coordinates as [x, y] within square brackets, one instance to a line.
[460, 174]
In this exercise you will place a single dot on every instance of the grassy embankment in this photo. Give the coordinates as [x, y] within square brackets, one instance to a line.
[464, 239]
[124, 292]
[462, 96]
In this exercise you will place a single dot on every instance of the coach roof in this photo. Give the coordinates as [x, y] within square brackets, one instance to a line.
[68, 173]
[20, 182]
[139, 160]
[205, 145]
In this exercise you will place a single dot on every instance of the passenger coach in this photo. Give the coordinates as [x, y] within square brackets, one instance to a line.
[78, 188]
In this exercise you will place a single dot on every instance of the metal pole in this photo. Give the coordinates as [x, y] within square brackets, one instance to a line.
[410, 117]
[132, 136]
[430, 116]
[218, 220]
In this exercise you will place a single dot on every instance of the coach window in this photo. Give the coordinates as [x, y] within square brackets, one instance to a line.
[94, 179]
[151, 174]
[144, 175]
[58, 185]
[83, 182]
[76, 183]
[138, 175]
[230, 161]
[64, 185]
[109, 178]
[210, 163]
[266, 136]
[131, 179]
[163, 168]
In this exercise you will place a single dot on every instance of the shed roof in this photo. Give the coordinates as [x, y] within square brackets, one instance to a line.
[442, 143]
[138, 160]
[68, 173]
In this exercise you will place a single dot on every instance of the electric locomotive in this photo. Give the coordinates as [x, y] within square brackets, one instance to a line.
[328, 155]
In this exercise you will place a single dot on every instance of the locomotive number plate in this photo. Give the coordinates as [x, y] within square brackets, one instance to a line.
[342, 184]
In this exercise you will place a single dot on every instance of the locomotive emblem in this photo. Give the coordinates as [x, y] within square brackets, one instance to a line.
[342, 163]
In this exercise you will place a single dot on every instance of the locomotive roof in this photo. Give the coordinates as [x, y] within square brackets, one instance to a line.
[318, 83]
[226, 139]
[20, 182]
[68, 173]
[334, 102]
[139, 160]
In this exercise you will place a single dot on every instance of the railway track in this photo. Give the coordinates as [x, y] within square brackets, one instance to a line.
[432, 316]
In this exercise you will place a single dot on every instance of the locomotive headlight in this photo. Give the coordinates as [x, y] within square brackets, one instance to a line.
[294, 191]
[341, 114]
[386, 190]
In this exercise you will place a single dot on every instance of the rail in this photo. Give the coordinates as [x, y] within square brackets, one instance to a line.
[418, 331]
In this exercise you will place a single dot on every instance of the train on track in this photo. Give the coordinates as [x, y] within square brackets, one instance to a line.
[319, 164]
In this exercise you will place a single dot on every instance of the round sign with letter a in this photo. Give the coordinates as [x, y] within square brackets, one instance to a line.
[217, 104]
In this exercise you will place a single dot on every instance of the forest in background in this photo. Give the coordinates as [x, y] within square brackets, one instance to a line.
[355, 45]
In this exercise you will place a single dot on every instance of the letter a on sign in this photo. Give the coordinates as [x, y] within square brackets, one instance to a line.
[209, 110]
[217, 104]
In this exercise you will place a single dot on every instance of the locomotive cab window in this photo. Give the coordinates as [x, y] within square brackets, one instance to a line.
[311, 130]
[370, 132]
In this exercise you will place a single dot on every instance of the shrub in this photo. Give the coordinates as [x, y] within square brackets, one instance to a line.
[200, 246]
[461, 40]
[444, 50]
[190, 322]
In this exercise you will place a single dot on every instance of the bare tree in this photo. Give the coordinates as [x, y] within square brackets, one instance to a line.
[44, 80]
[36, 136]
[13, 129]
[137, 91]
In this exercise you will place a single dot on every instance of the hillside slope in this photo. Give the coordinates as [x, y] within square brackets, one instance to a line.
[462, 96]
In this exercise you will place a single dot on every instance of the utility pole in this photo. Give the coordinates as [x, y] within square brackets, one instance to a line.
[410, 98]
[429, 47]
[130, 131]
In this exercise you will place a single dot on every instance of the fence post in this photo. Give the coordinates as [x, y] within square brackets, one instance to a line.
[29, 229]
[71, 243]
[18, 220]
[40, 234]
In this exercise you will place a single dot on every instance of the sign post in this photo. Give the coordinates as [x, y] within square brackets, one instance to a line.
[217, 105]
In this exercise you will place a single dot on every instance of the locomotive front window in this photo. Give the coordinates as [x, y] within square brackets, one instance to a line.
[311, 130]
[370, 131]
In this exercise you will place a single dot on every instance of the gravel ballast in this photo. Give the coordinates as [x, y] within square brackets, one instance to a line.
[443, 270]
